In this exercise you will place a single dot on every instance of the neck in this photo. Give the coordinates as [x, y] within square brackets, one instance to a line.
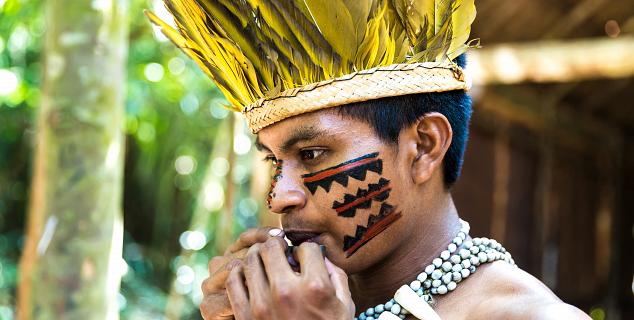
[425, 242]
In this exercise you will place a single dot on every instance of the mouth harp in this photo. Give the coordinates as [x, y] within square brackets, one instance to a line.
[291, 252]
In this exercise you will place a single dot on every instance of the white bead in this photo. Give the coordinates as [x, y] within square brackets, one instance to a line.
[477, 241]
[446, 278]
[456, 267]
[468, 244]
[436, 274]
[475, 260]
[474, 250]
[396, 309]
[457, 241]
[436, 283]
[465, 273]
[415, 285]
[466, 263]
[462, 235]
[446, 266]
[442, 289]
[483, 257]
[451, 286]
[490, 256]
[422, 277]
[430, 268]
[427, 284]
[486, 241]
[445, 255]
[455, 259]
[452, 247]
[437, 262]
[464, 254]
[456, 276]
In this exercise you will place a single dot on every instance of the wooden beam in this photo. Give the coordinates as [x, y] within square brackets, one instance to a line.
[517, 105]
[553, 61]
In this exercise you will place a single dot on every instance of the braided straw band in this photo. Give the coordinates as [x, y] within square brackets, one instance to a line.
[375, 83]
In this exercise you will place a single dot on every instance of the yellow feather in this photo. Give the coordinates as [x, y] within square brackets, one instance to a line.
[258, 48]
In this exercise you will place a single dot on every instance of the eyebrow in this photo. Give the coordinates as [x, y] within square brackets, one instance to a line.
[298, 135]
[260, 146]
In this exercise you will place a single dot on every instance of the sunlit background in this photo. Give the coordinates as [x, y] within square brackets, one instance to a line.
[193, 180]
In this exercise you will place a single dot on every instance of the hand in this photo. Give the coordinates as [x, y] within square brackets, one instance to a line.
[265, 286]
[215, 304]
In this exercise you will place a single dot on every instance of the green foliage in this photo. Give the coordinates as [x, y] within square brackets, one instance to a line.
[173, 113]
[21, 31]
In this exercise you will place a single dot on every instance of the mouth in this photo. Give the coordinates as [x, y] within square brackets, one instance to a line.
[297, 237]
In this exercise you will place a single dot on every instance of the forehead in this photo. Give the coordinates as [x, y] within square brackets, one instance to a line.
[322, 123]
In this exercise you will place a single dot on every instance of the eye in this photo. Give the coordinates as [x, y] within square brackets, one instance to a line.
[271, 159]
[310, 154]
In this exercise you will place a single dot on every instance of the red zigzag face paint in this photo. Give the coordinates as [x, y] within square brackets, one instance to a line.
[350, 206]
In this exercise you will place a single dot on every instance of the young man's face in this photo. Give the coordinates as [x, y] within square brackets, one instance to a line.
[336, 183]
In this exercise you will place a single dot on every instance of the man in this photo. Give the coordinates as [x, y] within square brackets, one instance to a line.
[361, 106]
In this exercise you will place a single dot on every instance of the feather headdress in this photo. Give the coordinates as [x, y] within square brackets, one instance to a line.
[274, 59]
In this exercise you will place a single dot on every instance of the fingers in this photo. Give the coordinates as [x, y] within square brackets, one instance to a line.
[253, 236]
[237, 294]
[275, 261]
[339, 280]
[216, 306]
[311, 260]
[257, 284]
[217, 278]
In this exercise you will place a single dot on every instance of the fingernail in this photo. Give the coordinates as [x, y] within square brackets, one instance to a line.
[275, 232]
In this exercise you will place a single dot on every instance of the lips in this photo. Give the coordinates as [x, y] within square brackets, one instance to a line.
[299, 237]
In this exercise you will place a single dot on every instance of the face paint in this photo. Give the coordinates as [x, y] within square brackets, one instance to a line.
[355, 168]
[376, 224]
[362, 199]
[277, 175]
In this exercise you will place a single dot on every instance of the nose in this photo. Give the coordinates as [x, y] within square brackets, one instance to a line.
[287, 194]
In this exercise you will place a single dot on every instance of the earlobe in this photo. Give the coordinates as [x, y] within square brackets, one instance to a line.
[433, 136]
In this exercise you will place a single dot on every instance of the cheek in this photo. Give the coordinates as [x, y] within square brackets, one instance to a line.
[356, 196]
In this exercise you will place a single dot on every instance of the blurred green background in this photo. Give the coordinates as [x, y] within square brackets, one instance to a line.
[548, 171]
[178, 147]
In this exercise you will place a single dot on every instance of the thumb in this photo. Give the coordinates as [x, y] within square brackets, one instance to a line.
[339, 280]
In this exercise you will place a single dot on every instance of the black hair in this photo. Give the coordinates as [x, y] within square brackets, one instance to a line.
[388, 116]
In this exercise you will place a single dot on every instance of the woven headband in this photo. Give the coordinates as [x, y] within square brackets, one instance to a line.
[370, 84]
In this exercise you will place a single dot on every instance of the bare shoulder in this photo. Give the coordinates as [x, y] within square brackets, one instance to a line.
[511, 293]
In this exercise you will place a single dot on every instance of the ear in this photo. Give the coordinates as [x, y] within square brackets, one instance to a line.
[429, 139]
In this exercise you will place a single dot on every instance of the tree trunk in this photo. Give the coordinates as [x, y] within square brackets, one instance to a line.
[70, 267]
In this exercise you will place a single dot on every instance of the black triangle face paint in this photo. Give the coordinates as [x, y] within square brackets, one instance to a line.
[375, 225]
[355, 168]
[363, 199]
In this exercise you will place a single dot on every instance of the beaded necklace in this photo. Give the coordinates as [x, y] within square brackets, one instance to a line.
[456, 263]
